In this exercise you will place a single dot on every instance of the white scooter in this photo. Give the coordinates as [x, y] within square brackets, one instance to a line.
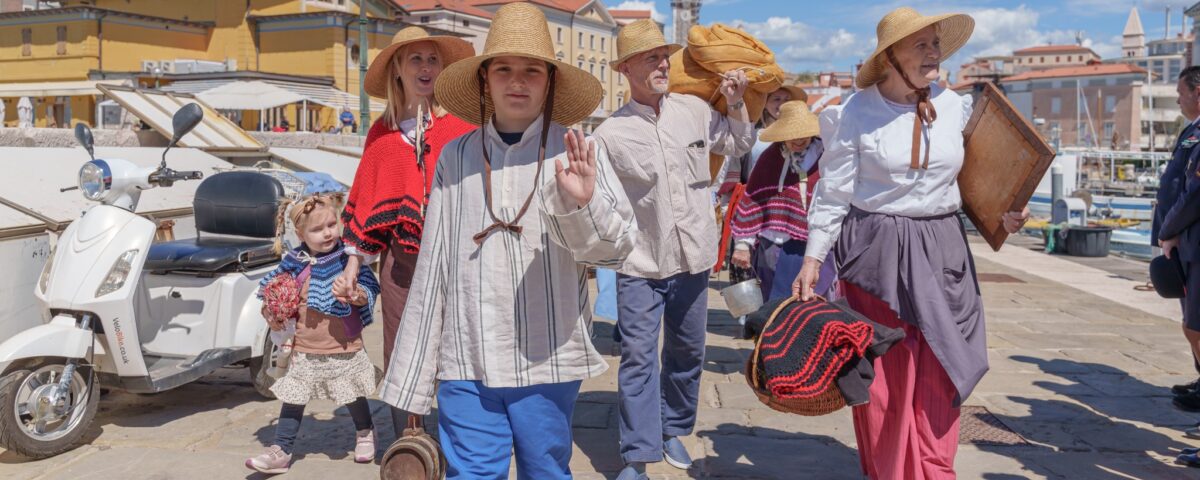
[137, 316]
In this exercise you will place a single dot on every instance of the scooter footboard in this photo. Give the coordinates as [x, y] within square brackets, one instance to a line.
[62, 337]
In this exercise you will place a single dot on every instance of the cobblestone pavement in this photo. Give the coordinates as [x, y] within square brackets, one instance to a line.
[1082, 376]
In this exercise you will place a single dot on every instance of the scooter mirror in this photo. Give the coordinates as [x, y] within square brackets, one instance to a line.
[185, 120]
[83, 135]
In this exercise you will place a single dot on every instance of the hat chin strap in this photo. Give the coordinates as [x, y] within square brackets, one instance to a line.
[925, 113]
[547, 111]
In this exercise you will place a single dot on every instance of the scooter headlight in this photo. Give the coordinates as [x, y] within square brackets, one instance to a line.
[117, 274]
[95, 178]
[44, 281]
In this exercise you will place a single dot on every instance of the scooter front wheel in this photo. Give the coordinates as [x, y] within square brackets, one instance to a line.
[38, 422]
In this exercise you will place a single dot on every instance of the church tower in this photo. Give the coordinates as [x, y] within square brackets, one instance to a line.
[1133, 42]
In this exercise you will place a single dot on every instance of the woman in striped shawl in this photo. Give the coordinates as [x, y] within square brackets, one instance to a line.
[770, 223]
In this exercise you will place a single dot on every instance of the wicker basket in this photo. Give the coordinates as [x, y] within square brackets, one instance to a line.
[824, 403]
[415, 456]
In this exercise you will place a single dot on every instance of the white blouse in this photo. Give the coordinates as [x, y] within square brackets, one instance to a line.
[866, 164]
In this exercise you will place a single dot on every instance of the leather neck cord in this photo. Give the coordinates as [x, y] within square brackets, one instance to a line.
[498, 224]
[925, 114]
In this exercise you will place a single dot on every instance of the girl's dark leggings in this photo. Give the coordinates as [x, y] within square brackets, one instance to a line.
[290, 416]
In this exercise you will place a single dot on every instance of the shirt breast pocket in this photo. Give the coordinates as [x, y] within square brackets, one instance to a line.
[697, 163]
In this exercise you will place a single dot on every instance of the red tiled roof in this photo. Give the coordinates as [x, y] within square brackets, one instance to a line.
[571, 6]
[629, 13]
[1080, 71]
[1053, 49]
[461, 6]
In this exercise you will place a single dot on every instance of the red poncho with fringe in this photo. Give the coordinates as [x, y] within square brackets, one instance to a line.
[387, 197]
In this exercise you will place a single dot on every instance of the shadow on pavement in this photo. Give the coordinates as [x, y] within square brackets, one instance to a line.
[1099, 425]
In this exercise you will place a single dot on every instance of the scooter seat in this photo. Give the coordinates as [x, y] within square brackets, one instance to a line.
[210, 255]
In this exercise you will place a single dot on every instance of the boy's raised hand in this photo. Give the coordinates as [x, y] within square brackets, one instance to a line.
[578, 180]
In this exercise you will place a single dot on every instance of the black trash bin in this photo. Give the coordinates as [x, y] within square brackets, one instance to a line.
[1088, 241]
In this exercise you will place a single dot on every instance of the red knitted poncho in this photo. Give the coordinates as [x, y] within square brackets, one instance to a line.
[387, 196]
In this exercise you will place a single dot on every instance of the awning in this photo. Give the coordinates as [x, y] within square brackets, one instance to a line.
[252, 95]
[54, 89]
[13, 223]
[340, 167]
[155, 108]
[37, 189]
[319, 94]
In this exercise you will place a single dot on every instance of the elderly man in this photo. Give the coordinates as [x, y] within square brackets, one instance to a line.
[659, 145]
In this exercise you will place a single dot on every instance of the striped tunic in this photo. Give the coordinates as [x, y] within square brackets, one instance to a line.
[514, 311]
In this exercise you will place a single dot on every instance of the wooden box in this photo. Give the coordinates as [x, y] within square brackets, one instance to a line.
[1004, 162]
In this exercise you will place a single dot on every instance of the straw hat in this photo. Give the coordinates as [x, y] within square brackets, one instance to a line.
[953, 30]
[795, 121]
[520, 30]
[452, 49]
[796, 91]
[641, 36]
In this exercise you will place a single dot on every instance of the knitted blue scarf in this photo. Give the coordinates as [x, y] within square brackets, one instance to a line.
[324, 269]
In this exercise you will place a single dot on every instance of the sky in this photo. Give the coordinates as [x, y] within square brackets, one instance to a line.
[833, 35]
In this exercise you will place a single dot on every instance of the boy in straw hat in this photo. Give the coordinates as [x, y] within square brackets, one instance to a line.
[659, 144]
[497, 309]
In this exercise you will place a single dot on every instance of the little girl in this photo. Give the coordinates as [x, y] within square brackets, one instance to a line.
[328, 360]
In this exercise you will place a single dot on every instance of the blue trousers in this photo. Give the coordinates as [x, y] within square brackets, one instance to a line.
[655, 403]
[482, 428]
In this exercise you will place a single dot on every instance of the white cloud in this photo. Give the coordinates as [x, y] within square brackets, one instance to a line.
[642, 5]
[999, 31]
[1100, 7]
[803, 44]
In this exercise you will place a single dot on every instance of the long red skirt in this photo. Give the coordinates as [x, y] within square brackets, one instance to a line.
[909, 430]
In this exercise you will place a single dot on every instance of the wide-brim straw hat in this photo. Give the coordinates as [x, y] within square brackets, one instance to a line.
[795, 121]
[518, 30]
[451, 49]
[954, 29]
[796, 92]
[641, 36]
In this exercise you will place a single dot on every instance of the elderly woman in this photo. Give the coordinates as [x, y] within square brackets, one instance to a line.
[386, 209]
[888, 195]
[769, 222]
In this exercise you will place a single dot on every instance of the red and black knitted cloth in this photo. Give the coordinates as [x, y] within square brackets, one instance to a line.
[387, 194]
[803, 350]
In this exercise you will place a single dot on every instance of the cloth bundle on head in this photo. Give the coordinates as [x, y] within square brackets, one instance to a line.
[712, 51]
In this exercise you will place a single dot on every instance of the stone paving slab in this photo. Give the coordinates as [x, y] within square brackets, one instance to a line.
[1082, 378]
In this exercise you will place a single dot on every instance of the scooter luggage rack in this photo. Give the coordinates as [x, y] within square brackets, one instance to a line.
[293, 185]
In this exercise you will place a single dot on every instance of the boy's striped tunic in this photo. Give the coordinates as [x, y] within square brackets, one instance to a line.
[514, 311]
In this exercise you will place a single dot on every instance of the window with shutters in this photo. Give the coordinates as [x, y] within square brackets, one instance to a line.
[26, 42]
[62, 40]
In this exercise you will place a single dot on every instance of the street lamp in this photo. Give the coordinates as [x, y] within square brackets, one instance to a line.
[364, 49]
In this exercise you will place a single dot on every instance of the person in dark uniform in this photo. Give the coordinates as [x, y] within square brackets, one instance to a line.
[1175, 181]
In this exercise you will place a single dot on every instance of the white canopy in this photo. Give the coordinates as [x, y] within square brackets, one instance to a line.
[54, 89]
[340, 167]
[251, 95]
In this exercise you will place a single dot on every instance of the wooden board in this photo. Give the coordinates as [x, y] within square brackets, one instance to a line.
[1005, 159]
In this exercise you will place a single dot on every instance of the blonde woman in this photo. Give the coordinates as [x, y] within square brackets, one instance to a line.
[385, 212]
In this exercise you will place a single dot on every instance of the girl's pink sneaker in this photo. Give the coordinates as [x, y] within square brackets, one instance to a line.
[364, 446]
[273, 461]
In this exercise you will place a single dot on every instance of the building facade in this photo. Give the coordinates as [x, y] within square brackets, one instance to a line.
[1052, 56]
[150, 42]
[1097, 105]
